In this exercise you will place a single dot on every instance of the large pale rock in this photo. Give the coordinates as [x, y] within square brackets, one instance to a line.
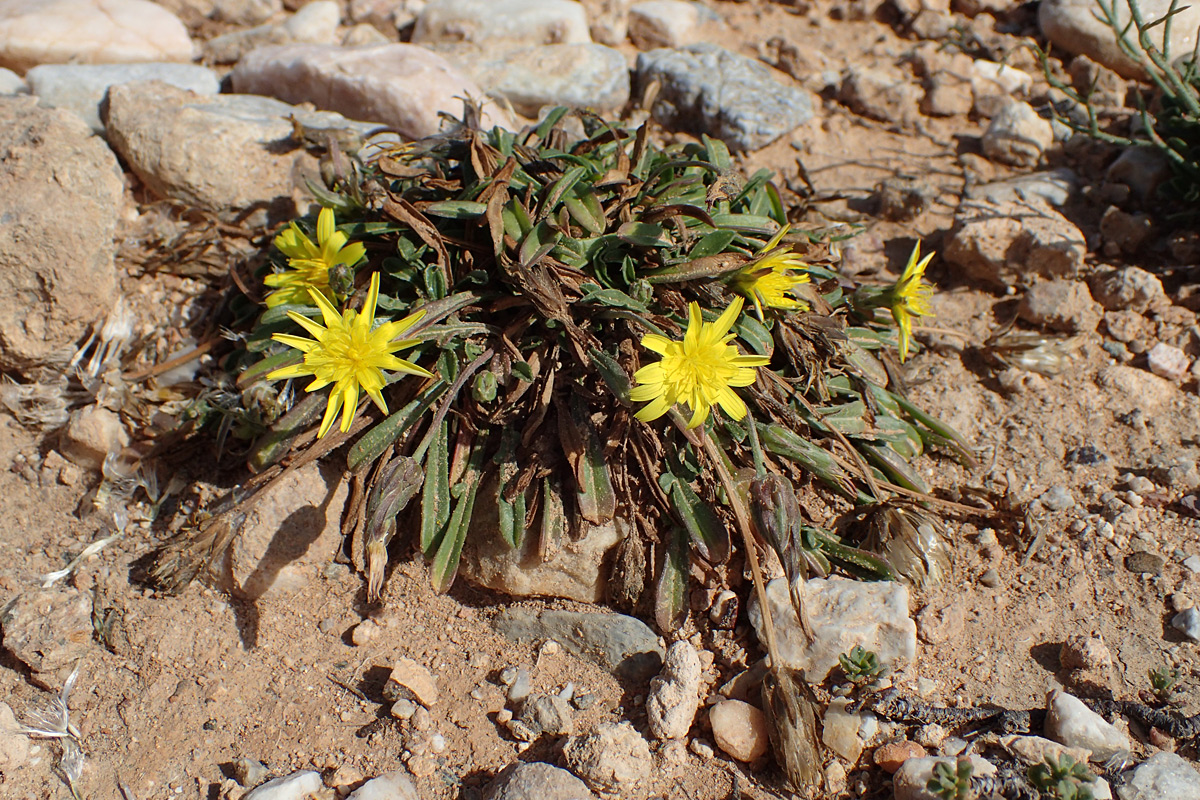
[1072, 723]
[402, 86]
[36, 32]
[291, 534]
[675, 693]
[60, 197]
[1164, 776]
[1003, 243]
[708, 89]
[536, 781]
[613, 759]
[1017, 136]
[529, 21]
[81, 88]
[225, 153]
[572, 569]
[389, 786]
[843, 613]
[614, 641]
[1072, 25]
[316, 23]
[573, 75]
[297, 786]
[1061, 305]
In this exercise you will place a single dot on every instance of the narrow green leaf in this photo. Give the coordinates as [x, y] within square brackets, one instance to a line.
[372, 443]
[755, 334]
[559, 188]
[259, 370]
[615, 378]
[642, 234]
[670, 590]
[712, 244]
[435, 494]
[703, 526]
[895, 467]
[552, 117]
[612, 298]
[456, 209]
[587, 214]
[747, 223]
[276, 442]
[445, 562]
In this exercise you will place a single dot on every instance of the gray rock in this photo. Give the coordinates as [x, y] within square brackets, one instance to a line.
[391, 786]
[575, 569]
[399, 85]
[315, 23]
[843, 613]
[249, 772]
[547, 714]
[1072, 723]
[11, 82]
[1143, 169]
[81, 88]
[14, 745]
[297, 786]
[1144, 563]
[219, 153]
[1005, 243]
[1129, 288]
[1188, 623]
[616, 642]
[527, 21]
[1017, 136]
[291, 533]
[1072, 25]
[887, 95]
[1163, 776]
[675, 693]
[665, 23]
[909, 782]
[36, 32]
[48, 629]
[708, 89]
[536, 781]
[1057, 498]
[573, 75]
[1054, 187]
[613, 759]
[1061, 305]
[1193, 564]
[61, 192]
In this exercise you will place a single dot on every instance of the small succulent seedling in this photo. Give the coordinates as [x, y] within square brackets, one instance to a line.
[861, 666]
[1164, 684]
[1062, 779]
[952, 783]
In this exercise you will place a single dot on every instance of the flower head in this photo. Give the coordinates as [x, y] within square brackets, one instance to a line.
[310, 263]
[349, 354]
[699, 371]
[767, 280]
[910, 297]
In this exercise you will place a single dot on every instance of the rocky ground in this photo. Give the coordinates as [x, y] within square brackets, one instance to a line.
[147, 148]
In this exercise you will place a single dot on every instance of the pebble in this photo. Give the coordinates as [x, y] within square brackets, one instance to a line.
[1081, 652]
[931, 735]
[92, 433]
[708, 89]
[12, 83]
[1034, 749]
[665, 23]
[1007, 243]
[620, 643]
[315, 23]
[81, 88]
[1163, 776]
[70, 277]
[404, 709]
[249, 772]
[536, 781]
[909, 782]
[1144, 563]
[1168, 362]
[297, 786]
[1145, 391]
[399, 85]
[1075, 26]
[572, 75]
[613, 759]
[843, 613]
[525, 21]
[1061, 305]
[1193, 564]
[891, 755]
[1054, 187]
[1188, 623]
[1142, 168]
[675, 693]
[839, 731]
[1072, 723]
[1122, 232]
[411, 679]
[990, 578]
[883, 94]
[740, 730]
[519, 683]
[14, 745]
[542, 714]
[389, 786]
[1057, 498]
[1017, 136]
[702, 749]
[36, 32]
[48, 629]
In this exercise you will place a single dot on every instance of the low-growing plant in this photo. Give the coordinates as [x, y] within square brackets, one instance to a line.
[861, 666]
[1062, 778]
[952, 783]
[575, 354]
[1165, 685]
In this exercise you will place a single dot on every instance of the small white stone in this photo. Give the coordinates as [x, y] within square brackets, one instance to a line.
[1168, 362]
[1188, 622]
[297, 786]
[1071, 722]
[390, 786]
[740, 729]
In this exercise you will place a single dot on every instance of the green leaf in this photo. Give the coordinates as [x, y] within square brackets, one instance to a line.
[540, 240]
[895, 467]
[445, 562]
[435, 494]
[755, 334]
[275, 443]
[670, 590]
[258, 370]
[552, 117]
[712, 244]
[612, 298]
[523, 371]
[747, 223]
[456, 209]
[717, 152]
[703, 526]
[585, 453]
[615, 378]
[371, 444]
[560, 187]
[585, 209]
[643, 234]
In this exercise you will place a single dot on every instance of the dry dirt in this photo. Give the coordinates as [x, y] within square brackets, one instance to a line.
[186, 686]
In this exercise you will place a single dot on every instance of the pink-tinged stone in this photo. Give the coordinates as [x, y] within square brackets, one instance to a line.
[1168, 362]
[36, 32]
[400, 85]
[740, 729]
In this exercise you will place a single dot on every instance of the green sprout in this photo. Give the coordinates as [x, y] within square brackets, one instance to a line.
[1062, 778]
[861, 666]
[1164, 683]
[952, 783]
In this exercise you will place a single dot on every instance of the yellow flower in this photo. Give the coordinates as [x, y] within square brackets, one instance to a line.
[348, 354]
[310, 263]
[698, 371]
[910, 297]
[767, 280]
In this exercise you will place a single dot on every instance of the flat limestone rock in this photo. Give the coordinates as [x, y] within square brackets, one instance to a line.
[843, 613]
[622, 644]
